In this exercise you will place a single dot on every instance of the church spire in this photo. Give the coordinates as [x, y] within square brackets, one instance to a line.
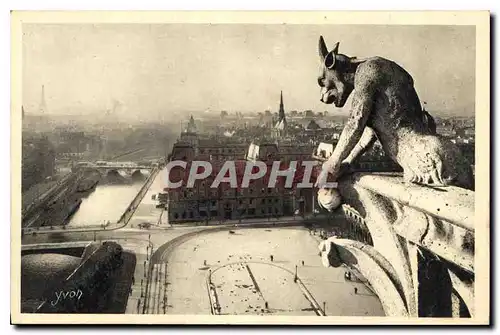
[281, 114]
[280, 126]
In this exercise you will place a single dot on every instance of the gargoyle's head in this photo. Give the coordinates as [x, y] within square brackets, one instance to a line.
[333, 75]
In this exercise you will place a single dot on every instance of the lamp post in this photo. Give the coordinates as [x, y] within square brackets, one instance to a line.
[313, 207]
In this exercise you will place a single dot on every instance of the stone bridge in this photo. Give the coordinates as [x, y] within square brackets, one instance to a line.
[114, 168]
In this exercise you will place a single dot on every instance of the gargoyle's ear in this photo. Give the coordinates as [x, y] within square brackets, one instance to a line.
[323, 50]
[330, 57]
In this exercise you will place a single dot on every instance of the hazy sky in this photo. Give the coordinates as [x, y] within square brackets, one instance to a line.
[153, 69]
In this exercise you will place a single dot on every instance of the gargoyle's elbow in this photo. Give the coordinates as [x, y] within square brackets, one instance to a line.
[356, 125]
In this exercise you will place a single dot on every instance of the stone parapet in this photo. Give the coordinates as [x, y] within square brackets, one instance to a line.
[423, 241]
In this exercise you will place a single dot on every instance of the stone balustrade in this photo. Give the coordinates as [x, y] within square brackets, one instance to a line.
[420, 261]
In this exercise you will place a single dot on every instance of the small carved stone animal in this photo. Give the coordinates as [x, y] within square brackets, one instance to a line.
[385, 106]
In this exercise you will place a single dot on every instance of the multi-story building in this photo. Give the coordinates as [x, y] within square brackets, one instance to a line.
[221, 149]
[77, 145]
[38, 160]
[374, 160]
[202, 202]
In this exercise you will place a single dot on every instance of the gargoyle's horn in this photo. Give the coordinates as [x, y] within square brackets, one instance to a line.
[335, 49]
[323, 50]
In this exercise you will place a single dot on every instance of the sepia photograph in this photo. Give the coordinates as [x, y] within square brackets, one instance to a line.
[250, 168]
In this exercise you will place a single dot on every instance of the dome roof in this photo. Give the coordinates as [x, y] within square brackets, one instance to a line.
[313, 125]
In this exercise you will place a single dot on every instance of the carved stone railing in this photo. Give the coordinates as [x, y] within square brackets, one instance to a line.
[421, 262]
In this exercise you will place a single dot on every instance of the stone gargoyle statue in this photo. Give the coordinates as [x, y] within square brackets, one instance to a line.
[385, 106]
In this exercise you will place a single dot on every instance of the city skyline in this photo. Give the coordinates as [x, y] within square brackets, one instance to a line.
[156, 69]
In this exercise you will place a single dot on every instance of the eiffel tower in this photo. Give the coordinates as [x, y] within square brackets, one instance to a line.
[43, 104]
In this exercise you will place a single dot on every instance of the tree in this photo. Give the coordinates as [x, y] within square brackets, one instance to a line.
[223, 114]
[309, 113]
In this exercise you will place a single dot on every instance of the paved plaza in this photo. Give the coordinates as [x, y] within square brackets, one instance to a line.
[245, 278]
